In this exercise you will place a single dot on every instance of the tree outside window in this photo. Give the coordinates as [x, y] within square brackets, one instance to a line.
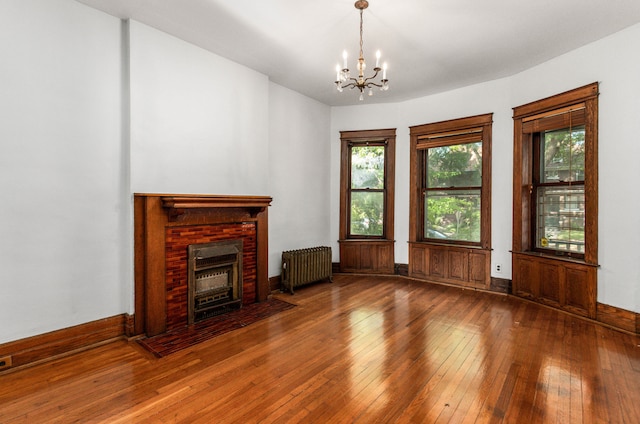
[367, 190]
[452, 192]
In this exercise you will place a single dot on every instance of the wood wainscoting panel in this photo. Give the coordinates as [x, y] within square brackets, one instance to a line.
[436, 263]
[478, 270]
[458, 263]
[549, 283]
[349, 257]
[418, 261]
[525, 278]
[367, 256]
[463, 266]
[580, 290]
[565, 284]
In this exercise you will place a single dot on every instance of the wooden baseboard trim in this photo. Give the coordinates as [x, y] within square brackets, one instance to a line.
[500, 285]
[130, 325]
[55, 344]
[402, 269]
[617, 317]
[274, 284]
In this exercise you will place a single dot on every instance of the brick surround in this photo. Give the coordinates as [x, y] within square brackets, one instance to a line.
[176, 241]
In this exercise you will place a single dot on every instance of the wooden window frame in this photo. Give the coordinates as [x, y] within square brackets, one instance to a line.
[382, 136]
[530, 118]
[455, 131]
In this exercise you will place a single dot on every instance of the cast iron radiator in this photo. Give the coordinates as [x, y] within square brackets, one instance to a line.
[304, 266]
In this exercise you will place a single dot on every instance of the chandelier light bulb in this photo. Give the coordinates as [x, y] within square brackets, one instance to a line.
[378, 59]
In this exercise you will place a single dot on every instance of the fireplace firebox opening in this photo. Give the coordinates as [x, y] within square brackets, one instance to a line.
[214, 279]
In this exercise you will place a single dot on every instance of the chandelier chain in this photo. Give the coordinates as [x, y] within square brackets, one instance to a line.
[361, 42]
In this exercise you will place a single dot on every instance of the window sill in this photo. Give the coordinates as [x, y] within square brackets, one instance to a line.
[460, 246]
[366, 240]
[556, 258]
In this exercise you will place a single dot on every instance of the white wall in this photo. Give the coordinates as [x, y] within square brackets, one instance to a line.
[199, 123]
[298, 174]
[203, 124]
[63, 215]
[611, 61]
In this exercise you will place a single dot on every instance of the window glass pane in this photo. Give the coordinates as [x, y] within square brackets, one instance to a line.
[562, 155]
[367, 213]
[458, 165]
[452, 215]
[560, 218]
[367, 167]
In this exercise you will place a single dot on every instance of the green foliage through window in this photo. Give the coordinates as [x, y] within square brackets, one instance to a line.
[453, 215]
[452, 192]
[367, 190]
[562, 155]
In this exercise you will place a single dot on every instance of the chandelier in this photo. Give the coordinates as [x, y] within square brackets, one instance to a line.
[344, 79]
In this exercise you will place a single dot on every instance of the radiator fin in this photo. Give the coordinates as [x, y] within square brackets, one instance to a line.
[304, 266]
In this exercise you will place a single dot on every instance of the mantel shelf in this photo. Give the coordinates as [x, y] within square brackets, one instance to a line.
[177, 205]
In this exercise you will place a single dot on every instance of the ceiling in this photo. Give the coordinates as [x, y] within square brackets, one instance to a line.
[430, 46]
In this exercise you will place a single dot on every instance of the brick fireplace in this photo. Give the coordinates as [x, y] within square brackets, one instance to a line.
[168, 226]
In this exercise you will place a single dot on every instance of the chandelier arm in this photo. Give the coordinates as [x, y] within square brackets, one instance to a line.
[350, 85]
[354, 81]
[377, 70]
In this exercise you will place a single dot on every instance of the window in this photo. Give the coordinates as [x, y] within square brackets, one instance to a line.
[367, 184]
[558, 189]
[452, 189]
[451, 181]
[367, 189]
[555, 175]
[555, 201]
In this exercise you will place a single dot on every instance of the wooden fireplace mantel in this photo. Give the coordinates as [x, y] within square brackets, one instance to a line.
[154, 213]
[178, 204]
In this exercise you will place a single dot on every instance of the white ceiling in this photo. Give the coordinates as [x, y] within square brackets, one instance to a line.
[430, 45]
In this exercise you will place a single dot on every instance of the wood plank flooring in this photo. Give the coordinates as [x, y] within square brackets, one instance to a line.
[359, 350]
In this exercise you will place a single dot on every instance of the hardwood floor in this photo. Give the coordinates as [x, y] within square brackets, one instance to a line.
[361, 349]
